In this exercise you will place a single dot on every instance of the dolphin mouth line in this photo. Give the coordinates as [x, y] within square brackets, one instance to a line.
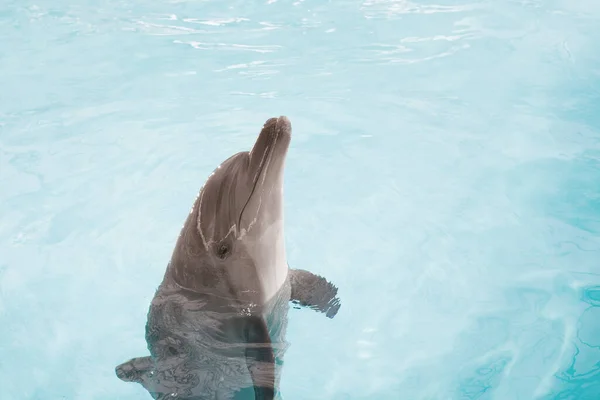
[266, 158]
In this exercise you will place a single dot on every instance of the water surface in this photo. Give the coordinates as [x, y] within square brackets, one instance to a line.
[444, 173]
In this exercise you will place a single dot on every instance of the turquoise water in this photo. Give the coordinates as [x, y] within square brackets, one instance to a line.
[444, 173]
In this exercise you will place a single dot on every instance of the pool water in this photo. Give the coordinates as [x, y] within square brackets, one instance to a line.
[444, 173]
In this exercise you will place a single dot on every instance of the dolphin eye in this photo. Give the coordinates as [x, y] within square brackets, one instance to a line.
[223, 251]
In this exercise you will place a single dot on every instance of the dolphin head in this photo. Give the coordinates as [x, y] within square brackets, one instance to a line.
[238, 221]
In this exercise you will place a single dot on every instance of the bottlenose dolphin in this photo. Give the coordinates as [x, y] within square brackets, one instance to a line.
[216, 325]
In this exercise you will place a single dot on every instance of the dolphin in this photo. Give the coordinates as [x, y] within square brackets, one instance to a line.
[216, 325]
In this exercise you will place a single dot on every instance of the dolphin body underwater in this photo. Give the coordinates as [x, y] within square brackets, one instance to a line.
[216, 325]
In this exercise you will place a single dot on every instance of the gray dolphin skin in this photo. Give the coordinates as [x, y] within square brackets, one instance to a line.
[216, 325]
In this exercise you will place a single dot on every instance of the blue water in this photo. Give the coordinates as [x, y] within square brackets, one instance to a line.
[444, 173]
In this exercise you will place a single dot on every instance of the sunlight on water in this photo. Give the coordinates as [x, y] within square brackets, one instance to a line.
[444, 173]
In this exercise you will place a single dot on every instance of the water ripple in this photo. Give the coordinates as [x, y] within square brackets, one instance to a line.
[392, 8]
[232, 46]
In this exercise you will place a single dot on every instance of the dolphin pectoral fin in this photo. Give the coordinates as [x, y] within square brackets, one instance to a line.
[260, 357]
[132, 370]
[314, 291]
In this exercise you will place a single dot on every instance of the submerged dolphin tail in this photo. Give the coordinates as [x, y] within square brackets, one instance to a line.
[260, 357]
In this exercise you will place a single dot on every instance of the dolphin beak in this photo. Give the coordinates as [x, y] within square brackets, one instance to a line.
[271, 146]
